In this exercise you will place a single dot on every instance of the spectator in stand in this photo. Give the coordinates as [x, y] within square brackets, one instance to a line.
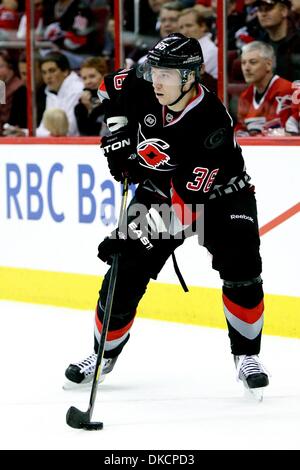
[235, 21]
[157, 5]
[9, 19]
[73, 31]
[168, 18]
[251, 29]
[63, 13]
[193, 25]
[18, 115]
[89, 111]
[55, 120]
[108, 50]
[148, 16]
[63, 89]
[265, 106]
[12, 83]
[250, 11]
[38, 21]
[280, 32]
[292, 125]
[168, 23]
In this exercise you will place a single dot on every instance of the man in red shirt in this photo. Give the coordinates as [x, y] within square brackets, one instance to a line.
[266, 104]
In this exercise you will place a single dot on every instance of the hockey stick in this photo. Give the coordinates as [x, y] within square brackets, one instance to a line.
[80, 419]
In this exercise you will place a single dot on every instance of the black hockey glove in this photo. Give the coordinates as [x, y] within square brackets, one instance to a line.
[110, 246]
[120, 154]
[142, 235]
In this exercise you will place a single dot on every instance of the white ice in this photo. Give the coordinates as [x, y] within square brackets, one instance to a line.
[173, 387]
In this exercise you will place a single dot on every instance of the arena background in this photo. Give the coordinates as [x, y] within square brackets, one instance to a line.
[57, 201]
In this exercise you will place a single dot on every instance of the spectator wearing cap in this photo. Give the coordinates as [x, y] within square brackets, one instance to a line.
[281, 34]
[266, 104]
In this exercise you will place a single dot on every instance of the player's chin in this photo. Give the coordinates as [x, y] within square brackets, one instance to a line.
[161, 99]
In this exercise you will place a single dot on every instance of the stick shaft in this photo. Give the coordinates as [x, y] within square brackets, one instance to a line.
[108, 306]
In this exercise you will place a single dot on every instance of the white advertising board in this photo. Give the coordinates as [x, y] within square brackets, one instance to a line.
[57, 202]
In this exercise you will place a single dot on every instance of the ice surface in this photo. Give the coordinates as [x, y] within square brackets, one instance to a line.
[173, 387]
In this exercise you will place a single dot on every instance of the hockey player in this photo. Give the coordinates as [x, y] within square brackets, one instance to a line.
[175, 138]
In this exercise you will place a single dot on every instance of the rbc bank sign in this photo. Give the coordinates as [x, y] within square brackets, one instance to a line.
[33, 192]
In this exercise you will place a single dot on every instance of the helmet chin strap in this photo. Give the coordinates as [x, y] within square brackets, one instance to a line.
[183, 93]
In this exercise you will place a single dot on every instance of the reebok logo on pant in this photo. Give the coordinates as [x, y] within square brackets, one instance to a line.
[242, 216]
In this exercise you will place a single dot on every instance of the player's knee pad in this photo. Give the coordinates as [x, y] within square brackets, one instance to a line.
[246, 283]
[243, 306]
[246, 293]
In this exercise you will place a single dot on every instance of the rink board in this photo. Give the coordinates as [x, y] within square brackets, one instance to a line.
[58, 201]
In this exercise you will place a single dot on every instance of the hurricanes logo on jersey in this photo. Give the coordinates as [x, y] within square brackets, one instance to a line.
[152, 153]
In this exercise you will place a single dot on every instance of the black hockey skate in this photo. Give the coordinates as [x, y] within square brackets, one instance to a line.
[253, 375]
[83, 372]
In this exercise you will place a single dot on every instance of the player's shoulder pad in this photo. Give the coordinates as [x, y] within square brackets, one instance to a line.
[112, 83]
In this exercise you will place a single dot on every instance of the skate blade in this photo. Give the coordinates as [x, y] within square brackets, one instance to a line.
[256, 394]
[85, 385]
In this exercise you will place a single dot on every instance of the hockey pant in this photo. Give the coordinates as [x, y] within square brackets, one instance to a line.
[231, 236]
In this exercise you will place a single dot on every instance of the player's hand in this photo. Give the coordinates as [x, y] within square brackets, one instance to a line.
[118, 150]
[86, 100]
[139, 236]
[110, 246]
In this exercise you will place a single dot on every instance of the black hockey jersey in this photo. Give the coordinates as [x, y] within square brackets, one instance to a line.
[192, 155]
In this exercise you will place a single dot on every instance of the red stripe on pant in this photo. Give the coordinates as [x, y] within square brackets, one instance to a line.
[115, 334]
[248, 315]
[182, 210]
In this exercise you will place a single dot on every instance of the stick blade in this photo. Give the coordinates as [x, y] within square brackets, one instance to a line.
[81, 420]
[76, 418]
